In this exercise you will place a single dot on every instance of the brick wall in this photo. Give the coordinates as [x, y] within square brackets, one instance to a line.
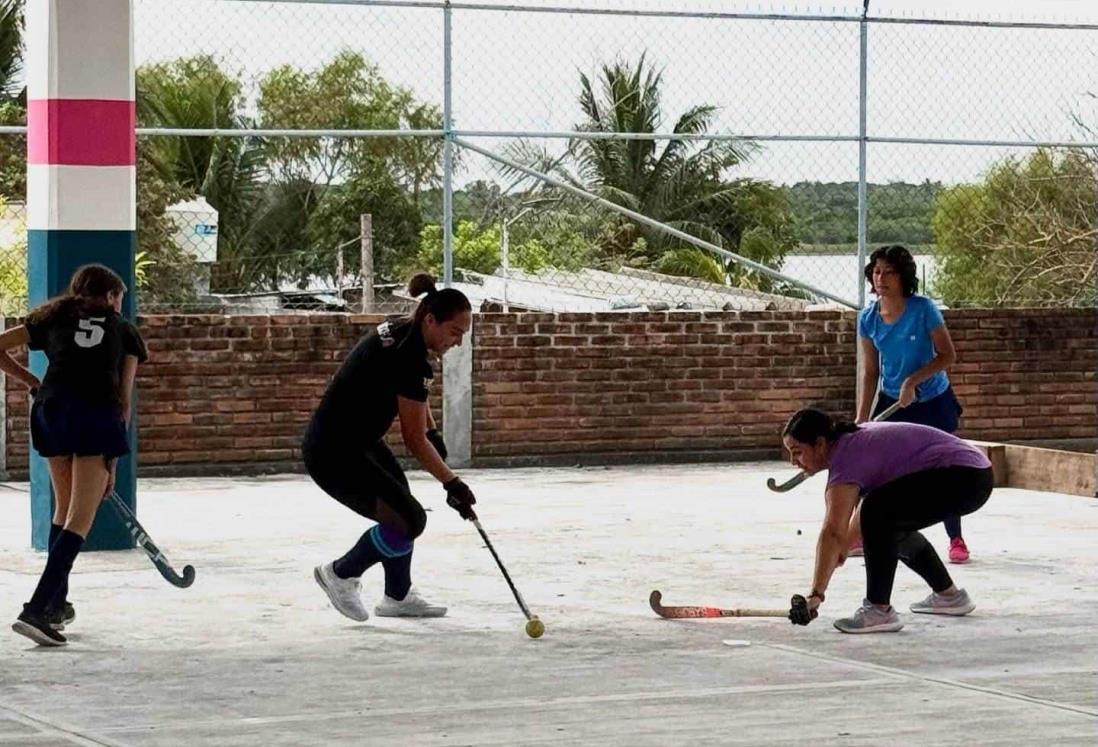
[691, 383]
[654, 382]
[238, 390]
[1024, 374]
[221, 390]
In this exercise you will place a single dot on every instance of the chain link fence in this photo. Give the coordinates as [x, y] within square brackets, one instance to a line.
[608, 154]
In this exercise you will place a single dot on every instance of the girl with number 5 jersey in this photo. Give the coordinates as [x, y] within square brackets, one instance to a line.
[78, 422]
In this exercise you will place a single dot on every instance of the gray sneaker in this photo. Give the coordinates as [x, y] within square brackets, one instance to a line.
[940, 604]
[870, 619]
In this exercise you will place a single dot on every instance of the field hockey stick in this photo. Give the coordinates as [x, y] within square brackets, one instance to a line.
[689, 611]
[802, 476]
[141, 537]
[506, 575]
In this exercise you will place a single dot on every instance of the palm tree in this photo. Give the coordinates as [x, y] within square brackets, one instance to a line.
[676, 181]
[230, 173]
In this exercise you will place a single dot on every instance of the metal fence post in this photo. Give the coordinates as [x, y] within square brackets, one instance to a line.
[447, 150]
[863, 207]
[366, 261]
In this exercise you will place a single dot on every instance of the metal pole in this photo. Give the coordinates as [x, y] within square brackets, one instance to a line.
[863, 67]
[505, 254]
[366, 261]
[863, 56]
[447, 151]
[339, 271]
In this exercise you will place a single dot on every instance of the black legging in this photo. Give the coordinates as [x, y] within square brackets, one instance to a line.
[360, 480]
[893, 513]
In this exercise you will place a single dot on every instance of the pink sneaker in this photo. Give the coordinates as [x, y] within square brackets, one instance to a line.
[958, 551]
[855, 549]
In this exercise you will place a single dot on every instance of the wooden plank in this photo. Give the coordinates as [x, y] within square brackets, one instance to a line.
[1032, 468]
[996, 453]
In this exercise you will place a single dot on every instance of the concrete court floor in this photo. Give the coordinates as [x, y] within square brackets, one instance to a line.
[252, 654]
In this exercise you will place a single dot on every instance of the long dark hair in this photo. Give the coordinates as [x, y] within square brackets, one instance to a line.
[901, 260]
[87, 291]
[808, 424]
[443, 304]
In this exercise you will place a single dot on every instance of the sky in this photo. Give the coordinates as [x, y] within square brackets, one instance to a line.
[519, 70]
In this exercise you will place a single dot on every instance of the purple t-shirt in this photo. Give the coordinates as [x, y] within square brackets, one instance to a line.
[878, 453]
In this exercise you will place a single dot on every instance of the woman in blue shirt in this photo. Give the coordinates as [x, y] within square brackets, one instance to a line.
[906, 350]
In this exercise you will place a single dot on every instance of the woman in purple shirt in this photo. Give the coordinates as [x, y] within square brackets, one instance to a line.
[908, 477]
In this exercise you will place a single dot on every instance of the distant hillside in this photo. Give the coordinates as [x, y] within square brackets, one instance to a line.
[827, 212]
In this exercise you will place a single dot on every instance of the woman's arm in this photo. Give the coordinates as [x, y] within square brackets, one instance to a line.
[413, 430]
[125, 386]
[871, 374]
[14, 338]
[834, 540]
[945, 355]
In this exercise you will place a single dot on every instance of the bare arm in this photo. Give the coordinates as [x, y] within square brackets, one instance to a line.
[871, 374]
[14, 338]
[945, 356]
[834, 539]
[125, 394]
[413, 430]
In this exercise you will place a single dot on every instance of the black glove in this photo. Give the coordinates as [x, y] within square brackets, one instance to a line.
[799, 614]
[436, 440]
[460, 498]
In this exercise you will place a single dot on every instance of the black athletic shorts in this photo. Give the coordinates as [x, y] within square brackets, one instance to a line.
[359, 479]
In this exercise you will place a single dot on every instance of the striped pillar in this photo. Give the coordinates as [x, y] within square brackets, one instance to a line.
[80, 184]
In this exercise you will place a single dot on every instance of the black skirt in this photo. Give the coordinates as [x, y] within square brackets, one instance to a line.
[69, 426]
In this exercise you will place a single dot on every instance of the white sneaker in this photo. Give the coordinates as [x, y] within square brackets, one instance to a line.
[413, 605]
[940, 604]
[344, 593]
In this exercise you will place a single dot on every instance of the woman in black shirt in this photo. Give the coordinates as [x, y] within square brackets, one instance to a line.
[385, 376]
[78, 420]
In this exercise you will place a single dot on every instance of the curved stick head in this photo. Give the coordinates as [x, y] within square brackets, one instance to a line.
[655, 600]
[188, 576]
[787, 485]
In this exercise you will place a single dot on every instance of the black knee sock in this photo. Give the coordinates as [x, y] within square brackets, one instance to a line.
[62, 595]
[398, 576]
[379, 543]
[56, 574]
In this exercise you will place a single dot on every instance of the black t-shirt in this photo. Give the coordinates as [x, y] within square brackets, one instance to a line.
[85, 350]
[361, 402]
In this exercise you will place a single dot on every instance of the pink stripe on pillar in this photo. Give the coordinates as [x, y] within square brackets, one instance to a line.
[81, 132]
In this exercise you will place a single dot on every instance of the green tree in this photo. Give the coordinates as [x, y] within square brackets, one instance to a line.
[1026, 236]
[477, 248]
[337, 179]
[13, 101]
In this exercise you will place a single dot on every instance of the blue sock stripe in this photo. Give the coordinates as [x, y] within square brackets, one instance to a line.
[394, 548]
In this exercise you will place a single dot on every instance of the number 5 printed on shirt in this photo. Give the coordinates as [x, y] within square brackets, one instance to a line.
[90, 333]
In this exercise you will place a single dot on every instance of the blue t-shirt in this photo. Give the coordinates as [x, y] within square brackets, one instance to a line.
[905, 345]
